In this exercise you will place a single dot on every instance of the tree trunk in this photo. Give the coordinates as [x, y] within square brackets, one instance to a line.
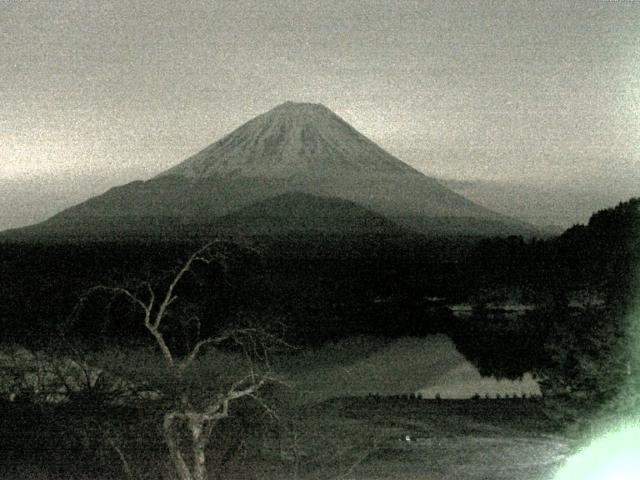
[171, 439]
[199, 438]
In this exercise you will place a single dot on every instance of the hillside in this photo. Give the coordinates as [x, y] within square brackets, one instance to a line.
[297, 212]
[295, 147]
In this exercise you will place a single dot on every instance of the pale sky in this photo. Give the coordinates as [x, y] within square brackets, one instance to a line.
[100, 93]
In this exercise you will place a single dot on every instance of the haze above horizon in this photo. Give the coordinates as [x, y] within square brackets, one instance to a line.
[97, 94]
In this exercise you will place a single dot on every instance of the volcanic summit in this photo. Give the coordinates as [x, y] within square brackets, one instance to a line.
[292, 139]
[293, 148]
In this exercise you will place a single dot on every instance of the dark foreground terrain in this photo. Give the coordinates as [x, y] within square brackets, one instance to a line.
[453, 439]
[577, 337]
[350, 438]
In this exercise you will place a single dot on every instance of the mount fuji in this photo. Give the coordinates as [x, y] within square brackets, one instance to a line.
[301, 153]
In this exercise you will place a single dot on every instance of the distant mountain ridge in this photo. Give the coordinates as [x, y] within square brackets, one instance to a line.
[552, 207]
[295, 147]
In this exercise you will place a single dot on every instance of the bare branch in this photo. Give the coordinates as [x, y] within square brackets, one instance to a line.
[128, 471]
[235, 335]
[169, 297]
[220, 408]
[152, 327]
[235, 392]
[166, 352]
[123, 291]
[152, 295]
[186, 363]
[270, 411]
[200, 419]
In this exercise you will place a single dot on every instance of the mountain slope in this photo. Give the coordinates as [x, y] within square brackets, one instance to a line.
[313, 150]
[297, 212]
[295, 147]
[289, 140]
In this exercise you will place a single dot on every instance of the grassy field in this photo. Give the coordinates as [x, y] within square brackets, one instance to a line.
[375, 439]
[355, 437]
[454, 439]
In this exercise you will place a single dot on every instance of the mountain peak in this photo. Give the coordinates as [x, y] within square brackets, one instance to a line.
[291, 139]
[309, 113]
[290, 105]
[294, 147]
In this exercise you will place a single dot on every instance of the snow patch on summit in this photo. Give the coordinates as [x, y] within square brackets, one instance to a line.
[292, 139]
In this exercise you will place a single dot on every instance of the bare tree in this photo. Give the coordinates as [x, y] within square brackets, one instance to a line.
[198, 416]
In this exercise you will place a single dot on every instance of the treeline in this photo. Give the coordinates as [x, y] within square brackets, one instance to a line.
[601, 256]
[324, 287]
[320, 287]
[582, 337]
[335, 285]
